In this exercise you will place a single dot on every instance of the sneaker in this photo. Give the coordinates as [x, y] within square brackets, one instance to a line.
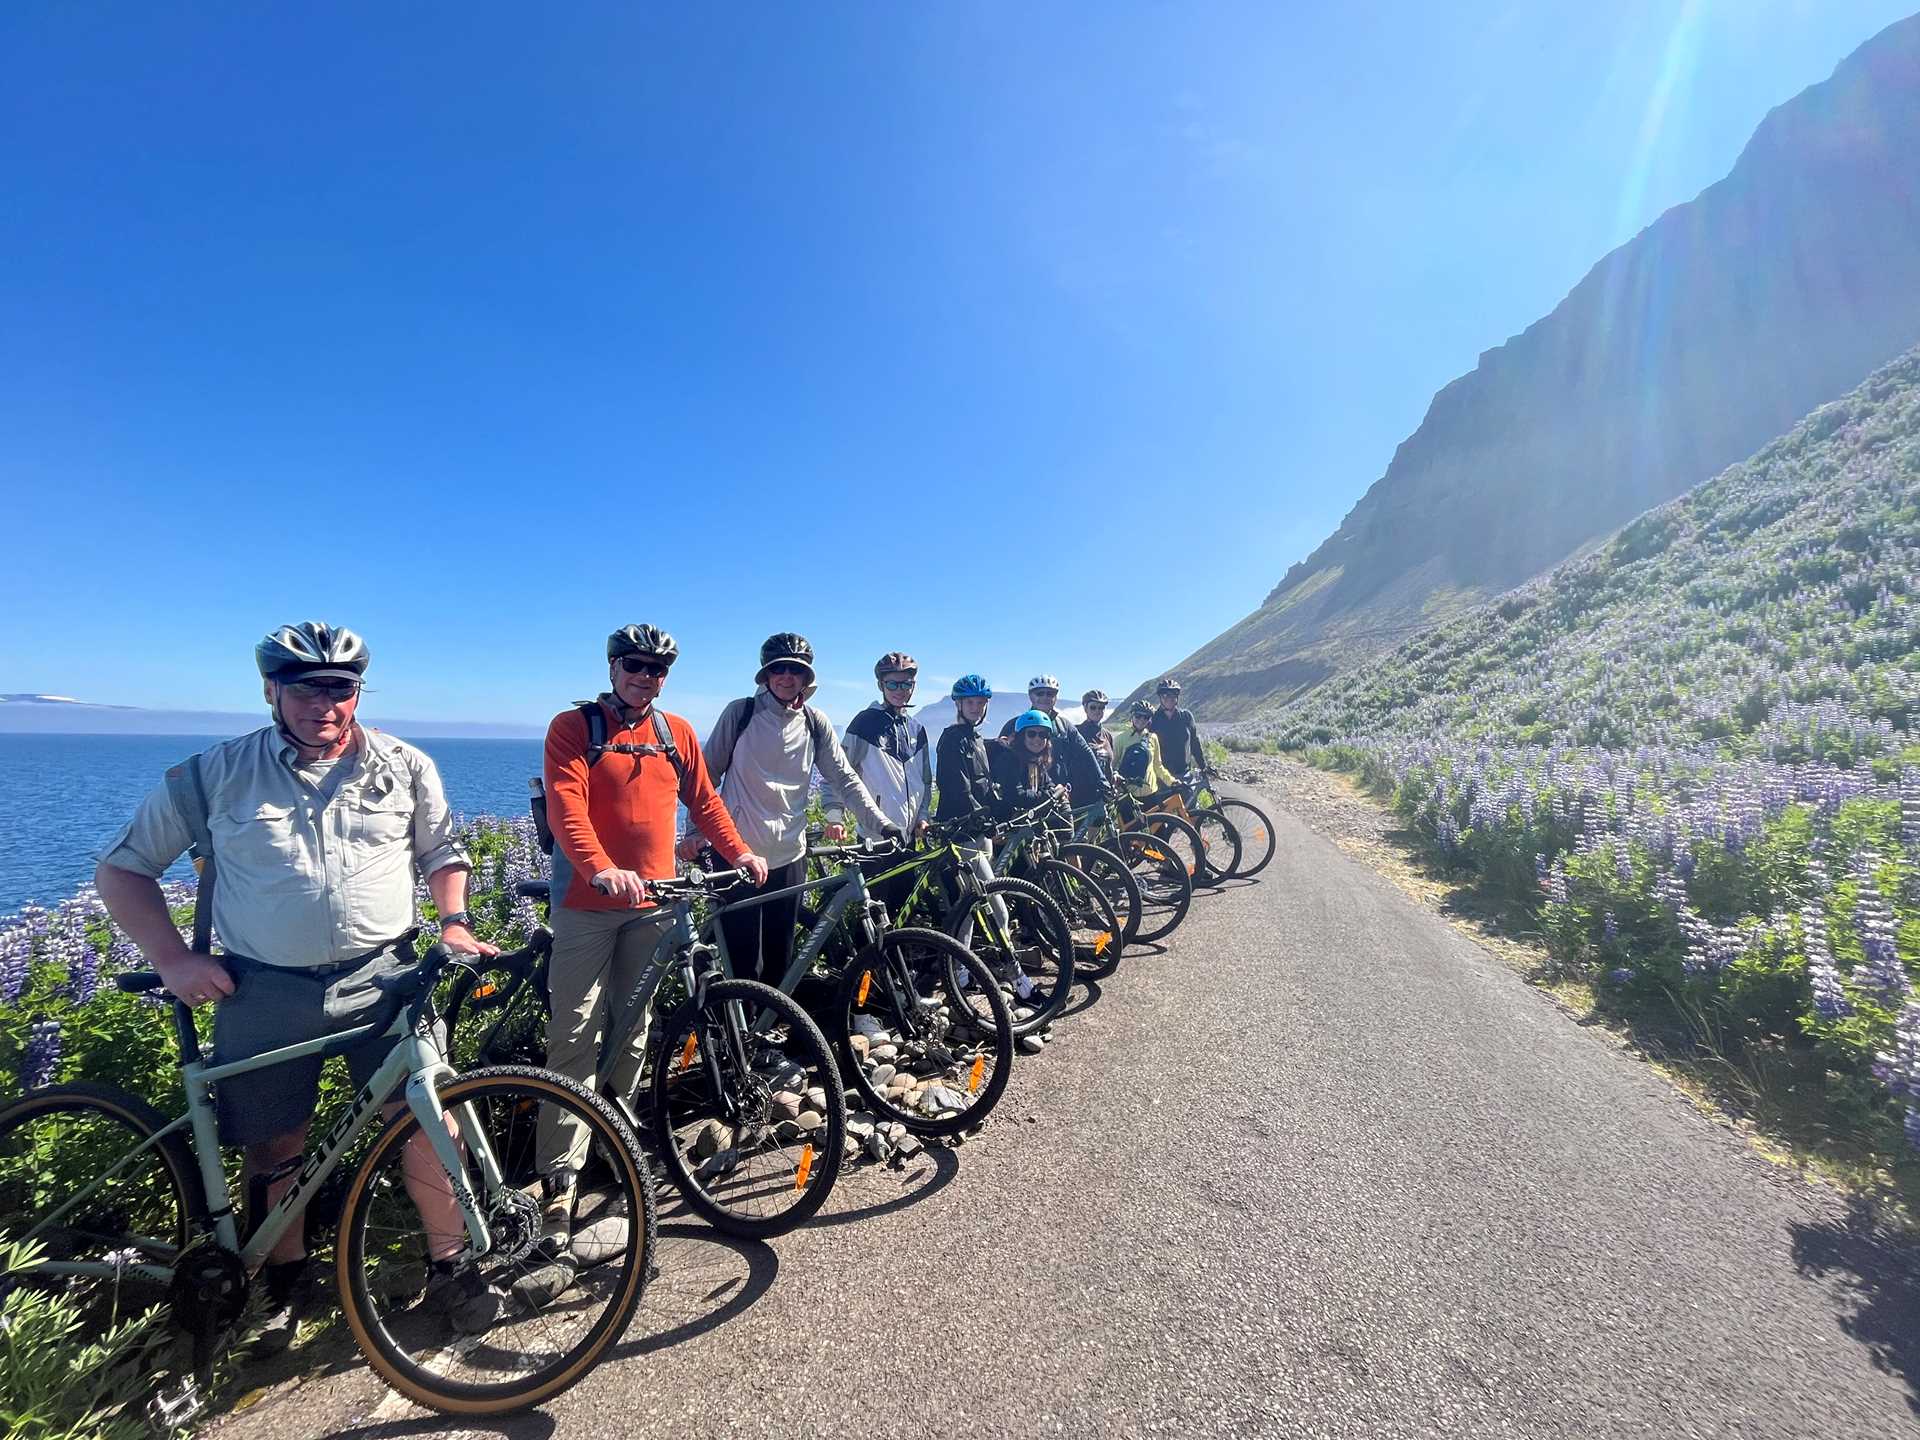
[458, 1291]
[544, 1282]
[557, 1193]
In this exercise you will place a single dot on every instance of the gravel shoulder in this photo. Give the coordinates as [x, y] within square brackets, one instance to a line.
[1323, 1167]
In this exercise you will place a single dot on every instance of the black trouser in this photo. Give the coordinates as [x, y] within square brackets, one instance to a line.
[760, 940]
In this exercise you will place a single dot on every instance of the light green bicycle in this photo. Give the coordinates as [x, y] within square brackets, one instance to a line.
[126, 1207]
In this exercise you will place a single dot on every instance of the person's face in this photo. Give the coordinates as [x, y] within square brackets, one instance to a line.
[1096, 710]
[637, 680]
[318, 713]
[1140, 723]
[1170, 703]
[786, 681]
[972, 708]
[1034, 738]
[1043, 699]
[896, 688]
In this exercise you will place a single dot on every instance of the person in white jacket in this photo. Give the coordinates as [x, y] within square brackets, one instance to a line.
[762, 755]
[888, 750]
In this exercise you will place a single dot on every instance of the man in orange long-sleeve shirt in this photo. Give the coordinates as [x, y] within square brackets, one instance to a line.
[613, 829]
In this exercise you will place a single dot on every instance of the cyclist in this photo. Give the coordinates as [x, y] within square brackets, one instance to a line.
[1075, 764]
[1179, 736]
[963, 769]
[1138, 761]
[888, 750]
[1094, 705]
[318, 826]
[762, 753]
[1023, 767]
[612, 815]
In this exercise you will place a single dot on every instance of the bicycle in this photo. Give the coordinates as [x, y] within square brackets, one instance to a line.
[1249, 821]
[1161, 863]
[754, 1133]
[120, 1195]
[1090, 884]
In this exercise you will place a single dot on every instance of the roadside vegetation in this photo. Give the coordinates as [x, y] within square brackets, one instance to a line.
[1686, 764]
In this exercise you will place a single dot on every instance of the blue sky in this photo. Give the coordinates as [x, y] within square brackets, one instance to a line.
[483, 328]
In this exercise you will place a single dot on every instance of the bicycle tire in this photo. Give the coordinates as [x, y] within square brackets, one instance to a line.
[964, 1068]
[1041, 924]
[1166, 889]
[1256, 837]
[1186, 842]
[156, 1207]
[1091, 917]
[514, 1218]
[682, 1108]
[1111, 874]
[1222, 842]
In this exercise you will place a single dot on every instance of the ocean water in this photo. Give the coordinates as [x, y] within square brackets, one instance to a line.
[63, 796]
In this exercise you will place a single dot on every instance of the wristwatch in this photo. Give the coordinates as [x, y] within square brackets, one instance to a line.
[458, 917]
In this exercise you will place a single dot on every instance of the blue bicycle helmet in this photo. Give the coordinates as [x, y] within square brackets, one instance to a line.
[1030, 718]
[972, 685]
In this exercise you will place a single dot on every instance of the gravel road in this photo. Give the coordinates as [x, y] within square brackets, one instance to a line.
[1321, 1168]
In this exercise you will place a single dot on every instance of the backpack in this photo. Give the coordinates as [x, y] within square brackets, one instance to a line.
[187, 788]
[741, 712]
[1135, 764]
[597, 746]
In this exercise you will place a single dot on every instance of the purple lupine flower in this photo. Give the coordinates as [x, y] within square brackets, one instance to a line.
[1829, 997]
[1873, 921]
[1609, 926]
[1899, 1069]
[42, 1058]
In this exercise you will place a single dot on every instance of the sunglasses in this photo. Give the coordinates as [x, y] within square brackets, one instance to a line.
[323, 689]
[634, 665]
[1048, 693]
[899, 684]
[783, 668]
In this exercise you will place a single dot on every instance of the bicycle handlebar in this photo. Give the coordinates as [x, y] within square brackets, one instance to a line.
[858, 850]
[694, 882]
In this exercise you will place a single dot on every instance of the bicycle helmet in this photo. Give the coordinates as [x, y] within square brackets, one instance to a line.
[1030, 718]
[975, 685]
[1168, 686]
[643, 640]
[1142, 710]
[785, 648]
[895, 660]
[1044, 682]
[1094, 697]
[311, 650]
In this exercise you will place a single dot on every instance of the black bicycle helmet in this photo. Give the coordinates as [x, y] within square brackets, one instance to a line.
[643, 640]
[311, 650]
[1168, 686]
[1142, 710]
[894, 661]
[1094, 697]
[785, 647]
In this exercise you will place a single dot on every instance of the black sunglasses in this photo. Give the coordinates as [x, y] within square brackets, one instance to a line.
[783, 668]
[899, 684]
[319, 689]
[634, 665]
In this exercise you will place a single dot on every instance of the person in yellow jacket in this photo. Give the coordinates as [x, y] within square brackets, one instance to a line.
[1144, 774]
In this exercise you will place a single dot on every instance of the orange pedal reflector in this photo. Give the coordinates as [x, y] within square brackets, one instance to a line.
[866, 984]
[484, 989]
[687, 1050]
[806, 1168]
[974, 1075]
[1156, 855]
[1101, 941]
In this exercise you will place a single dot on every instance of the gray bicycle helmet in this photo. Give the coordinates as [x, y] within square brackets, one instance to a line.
[643, 640]
[1094, 697]
[788, 648]
[311, 650]
[1044, 682]
[894, 661]
[1168, 686]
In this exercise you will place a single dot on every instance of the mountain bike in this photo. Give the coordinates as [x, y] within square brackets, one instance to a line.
[1249, 822]
[1093, 887]
[1161, 863]
[746, 1104]
[121, 1198]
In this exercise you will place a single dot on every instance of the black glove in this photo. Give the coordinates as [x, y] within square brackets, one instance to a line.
[893, 832]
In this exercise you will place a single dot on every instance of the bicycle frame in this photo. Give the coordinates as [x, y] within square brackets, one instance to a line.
[414, 1057]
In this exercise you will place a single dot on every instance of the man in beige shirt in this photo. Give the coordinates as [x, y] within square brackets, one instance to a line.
[319, 826]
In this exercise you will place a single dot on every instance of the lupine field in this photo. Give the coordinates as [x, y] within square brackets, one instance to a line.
[1688, 759]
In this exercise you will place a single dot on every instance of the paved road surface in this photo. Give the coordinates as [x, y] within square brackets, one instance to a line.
[1322, 1169]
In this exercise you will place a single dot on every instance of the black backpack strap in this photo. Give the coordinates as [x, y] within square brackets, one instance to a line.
[596, 719]
[187, 788]
[664, 734]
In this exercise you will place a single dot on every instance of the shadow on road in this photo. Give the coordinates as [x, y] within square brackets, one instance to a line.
[881, 1191]
[533, 1425]
[706, 1279]
[1878, 1266]
[1085, 995]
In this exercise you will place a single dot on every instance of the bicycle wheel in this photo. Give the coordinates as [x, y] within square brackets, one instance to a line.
[1110, 873]
[1090, 915]
[749, 1109]
[1017, 931]
[496, 1014]
[927, 1031]
[1222, 841]
[518, 1336]
[70, 1182]
[1178, 836]
[1166, 889]
[1256, 836]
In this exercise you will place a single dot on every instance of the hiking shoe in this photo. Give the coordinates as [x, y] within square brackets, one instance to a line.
[557, 1194]
[286, 1292]
[544, 1282]
[458, 1291]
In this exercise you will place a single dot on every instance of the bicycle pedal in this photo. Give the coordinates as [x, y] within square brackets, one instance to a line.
[173, 1410]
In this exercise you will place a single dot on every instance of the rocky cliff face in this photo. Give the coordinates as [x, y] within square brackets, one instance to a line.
[1685, 350]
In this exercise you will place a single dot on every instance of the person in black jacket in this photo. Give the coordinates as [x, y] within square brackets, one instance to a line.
[961, 771]
[1074, 763]
[1179, 736]
[1024, 768]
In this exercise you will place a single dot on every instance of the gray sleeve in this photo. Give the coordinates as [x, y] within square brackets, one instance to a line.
[839, 779]
[719, 746]
[855, 749]
[152, 840]
[434, 844]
